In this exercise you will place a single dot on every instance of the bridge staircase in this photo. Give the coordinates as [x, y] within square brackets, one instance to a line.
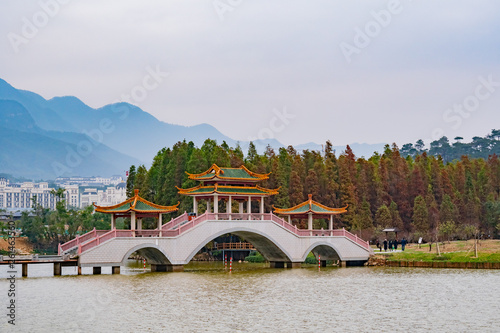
[72, 246]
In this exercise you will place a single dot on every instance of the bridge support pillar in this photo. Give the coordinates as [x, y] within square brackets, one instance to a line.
[158, 268]
[57, 268]
[115, 270]
[342, 263]
[293, 265]
[24, 269]
[175, 268]
[277, 264]
[167, 268]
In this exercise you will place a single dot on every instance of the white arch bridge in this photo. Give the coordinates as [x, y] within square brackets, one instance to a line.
[176, 243]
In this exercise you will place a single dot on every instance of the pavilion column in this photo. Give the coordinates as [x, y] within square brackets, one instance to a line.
[216, 206]
[139, 224]
[160, 222]
[229, 206]
[249, 207]
[290, 219]
[310, 221]
[132, 222]
[261, 208]
[113, 222]
[195, 206]
[330, 225]
[240, 207]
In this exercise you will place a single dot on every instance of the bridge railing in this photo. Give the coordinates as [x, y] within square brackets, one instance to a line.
[80, 240]
[147, 233]
[172, 223]
[320, 232]
[356, 239]
[235, 246]
[105, 235]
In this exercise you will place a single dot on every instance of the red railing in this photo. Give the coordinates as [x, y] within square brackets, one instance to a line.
[321, 232]
[105, 236]
[147, 233]
[172, 223]
[356, 239]
[80, 240]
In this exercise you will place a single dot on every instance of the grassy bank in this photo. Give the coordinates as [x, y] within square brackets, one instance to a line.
[457, 251]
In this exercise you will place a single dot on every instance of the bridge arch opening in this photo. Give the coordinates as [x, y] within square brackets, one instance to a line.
[153, 254]
[326, 251]
[264, 244]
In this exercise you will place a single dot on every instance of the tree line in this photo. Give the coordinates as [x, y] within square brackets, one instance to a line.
[479, 147]
[419, 192]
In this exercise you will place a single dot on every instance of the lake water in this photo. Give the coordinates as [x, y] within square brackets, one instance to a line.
[254, 298]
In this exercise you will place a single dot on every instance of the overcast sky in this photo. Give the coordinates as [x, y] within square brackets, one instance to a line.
[348, 71]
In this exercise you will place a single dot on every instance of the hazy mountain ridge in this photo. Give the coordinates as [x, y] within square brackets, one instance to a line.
[32, 152]
[120, 134]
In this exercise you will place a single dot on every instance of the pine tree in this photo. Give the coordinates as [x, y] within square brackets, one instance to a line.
[363, 220]
[311, 184]
[448, 210]
[421, 215]
[296, 189]
[432, 208]
[397, 222]
[252, 155]
[131, 181]
[383, 217]
[140, 180]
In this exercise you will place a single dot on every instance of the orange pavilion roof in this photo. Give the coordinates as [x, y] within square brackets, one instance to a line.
[232, 174]
[227, 190]
[310, 206]
[136, 204]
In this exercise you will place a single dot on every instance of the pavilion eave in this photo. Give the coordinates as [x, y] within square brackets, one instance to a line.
[305, 215]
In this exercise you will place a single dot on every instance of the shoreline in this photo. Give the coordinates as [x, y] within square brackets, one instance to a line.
[374, 261]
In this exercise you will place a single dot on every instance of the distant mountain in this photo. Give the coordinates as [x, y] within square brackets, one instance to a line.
[43, 116]
[34, 153]
[122, 126]
[45, 132]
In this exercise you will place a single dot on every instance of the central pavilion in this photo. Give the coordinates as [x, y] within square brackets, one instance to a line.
[229, 185]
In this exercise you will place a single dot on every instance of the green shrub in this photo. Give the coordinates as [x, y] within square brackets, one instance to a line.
[257, 257]
[311, 259]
